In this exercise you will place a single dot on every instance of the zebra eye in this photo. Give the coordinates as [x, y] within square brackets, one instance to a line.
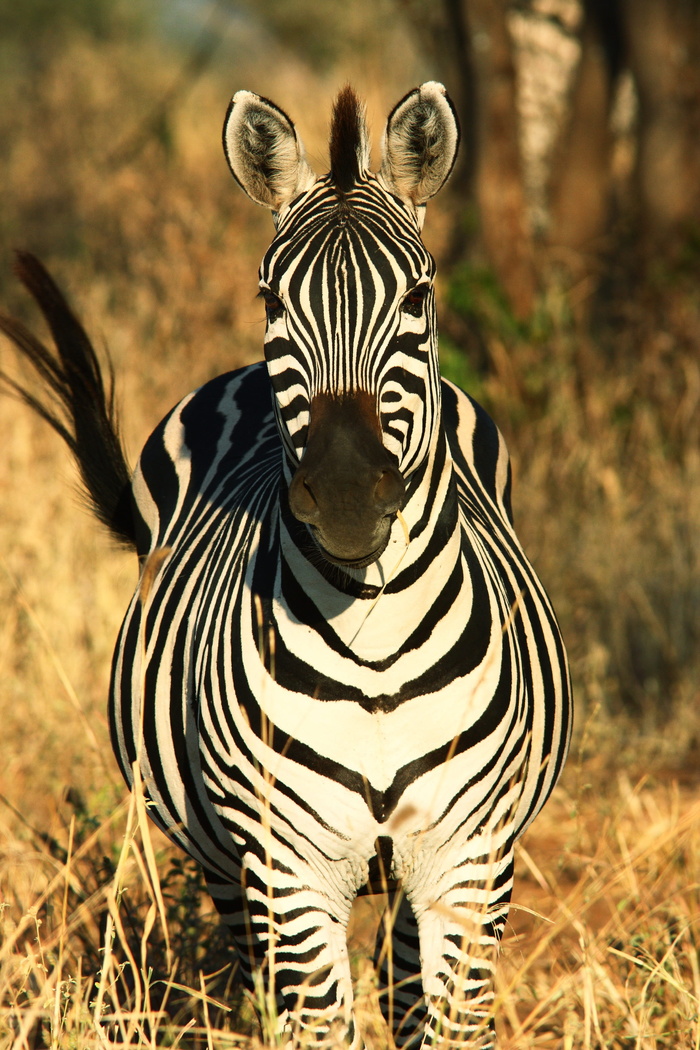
[273, 304]
[414, 301]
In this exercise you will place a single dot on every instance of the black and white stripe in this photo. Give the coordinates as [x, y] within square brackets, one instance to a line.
[345, 672]
[306, 724]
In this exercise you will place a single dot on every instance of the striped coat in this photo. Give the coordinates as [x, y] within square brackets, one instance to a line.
[344, 675]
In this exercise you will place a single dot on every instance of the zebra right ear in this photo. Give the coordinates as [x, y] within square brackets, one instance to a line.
[420, 145]
[264, 151]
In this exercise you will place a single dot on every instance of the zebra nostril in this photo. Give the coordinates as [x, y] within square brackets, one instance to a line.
[302, 500]
[389, 491]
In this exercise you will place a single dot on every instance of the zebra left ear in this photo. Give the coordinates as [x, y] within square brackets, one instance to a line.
[264, 151]
[420, 145]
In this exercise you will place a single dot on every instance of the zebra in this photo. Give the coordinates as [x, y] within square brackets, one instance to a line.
[339, 673]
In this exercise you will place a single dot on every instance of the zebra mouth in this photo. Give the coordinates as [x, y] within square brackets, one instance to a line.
[351, 563]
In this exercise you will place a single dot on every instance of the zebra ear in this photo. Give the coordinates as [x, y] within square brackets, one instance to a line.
[420, 144]
[264, 151]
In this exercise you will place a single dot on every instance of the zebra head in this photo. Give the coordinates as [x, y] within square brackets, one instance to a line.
[351, 339]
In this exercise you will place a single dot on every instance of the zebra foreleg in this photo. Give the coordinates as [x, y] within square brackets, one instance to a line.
[301, 952]
[230, 903]
[459, 934]
[397, 962]
[292, 948]
[292, 943]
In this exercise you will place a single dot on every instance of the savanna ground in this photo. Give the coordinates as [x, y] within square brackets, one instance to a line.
[107, 935]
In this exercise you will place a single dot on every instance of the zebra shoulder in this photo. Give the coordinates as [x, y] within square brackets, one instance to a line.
[477, 446]
[203, 440]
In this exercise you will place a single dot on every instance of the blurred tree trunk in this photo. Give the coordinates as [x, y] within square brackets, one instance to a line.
[499, 177]
[441, 32]
[659, 41]
[663, 38]
[580, 179]
[469, 40]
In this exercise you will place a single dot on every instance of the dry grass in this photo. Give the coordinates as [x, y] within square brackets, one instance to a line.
[612, 959]
[159, 252]
[601, 951]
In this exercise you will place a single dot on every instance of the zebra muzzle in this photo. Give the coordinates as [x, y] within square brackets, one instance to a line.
[347, 488]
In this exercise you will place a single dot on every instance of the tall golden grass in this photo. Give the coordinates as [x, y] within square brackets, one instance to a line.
[107, 935]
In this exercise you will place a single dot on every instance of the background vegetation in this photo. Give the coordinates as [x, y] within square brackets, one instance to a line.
[568, 248]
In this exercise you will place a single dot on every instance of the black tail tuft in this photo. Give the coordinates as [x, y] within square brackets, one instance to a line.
[85, 416]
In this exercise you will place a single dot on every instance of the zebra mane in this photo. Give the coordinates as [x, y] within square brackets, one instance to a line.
[349, 143]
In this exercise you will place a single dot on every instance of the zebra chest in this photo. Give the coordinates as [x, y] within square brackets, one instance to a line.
[295, 700]
[356, 682]
[364, 771]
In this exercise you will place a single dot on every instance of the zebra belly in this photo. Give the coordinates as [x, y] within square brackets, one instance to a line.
[329, 778]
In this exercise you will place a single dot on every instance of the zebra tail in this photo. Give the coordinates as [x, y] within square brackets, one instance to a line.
[85, 415]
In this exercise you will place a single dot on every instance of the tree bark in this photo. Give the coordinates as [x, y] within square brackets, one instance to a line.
[499, 180]
[470, 38]
[664, 53]
[442, 34]
[580, 183]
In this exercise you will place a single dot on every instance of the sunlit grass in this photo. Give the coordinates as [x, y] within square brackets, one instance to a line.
[159, 255]
[601, 950]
